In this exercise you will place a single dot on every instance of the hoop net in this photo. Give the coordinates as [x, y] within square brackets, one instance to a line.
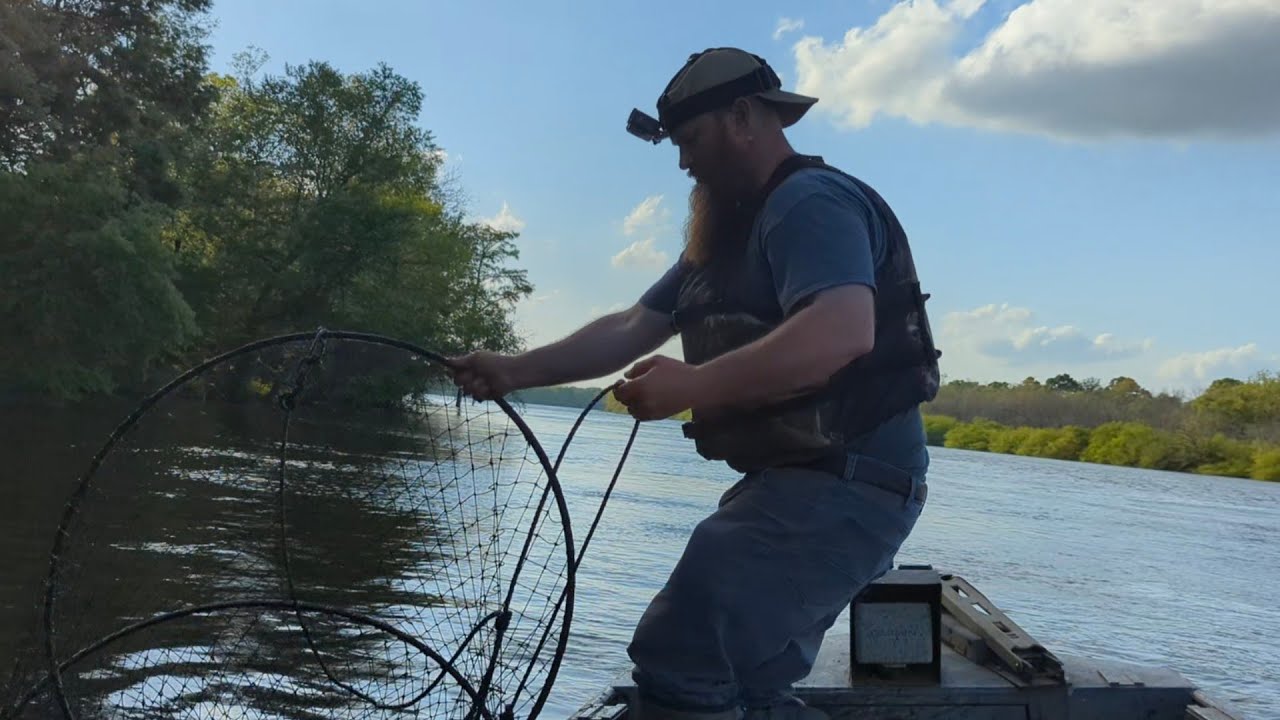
[312, 526]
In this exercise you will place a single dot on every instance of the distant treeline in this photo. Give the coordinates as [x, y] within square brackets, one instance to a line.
[561, 396]
[1231, 429]
[154, 213]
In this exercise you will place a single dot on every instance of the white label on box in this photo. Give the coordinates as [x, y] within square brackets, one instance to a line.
[892, 633]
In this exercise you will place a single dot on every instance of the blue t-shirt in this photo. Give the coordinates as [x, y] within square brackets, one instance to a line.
[816, 231]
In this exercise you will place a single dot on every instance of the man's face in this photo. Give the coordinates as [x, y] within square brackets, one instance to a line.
[707, 153]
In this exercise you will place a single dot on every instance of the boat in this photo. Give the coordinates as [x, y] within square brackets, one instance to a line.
[922, 644]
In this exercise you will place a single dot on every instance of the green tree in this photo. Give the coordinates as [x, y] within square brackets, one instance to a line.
[1128, 387]
[97, 97]
[1063, 383]
[318, 201]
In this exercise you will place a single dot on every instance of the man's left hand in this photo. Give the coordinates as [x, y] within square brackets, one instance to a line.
[658, 387]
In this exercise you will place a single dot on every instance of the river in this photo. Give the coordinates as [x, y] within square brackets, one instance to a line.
[1138, 565]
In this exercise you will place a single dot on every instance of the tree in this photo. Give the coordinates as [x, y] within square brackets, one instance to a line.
[92, 73]
[96, 101]
[318, 202]
[1127, 386]
[1063, 383]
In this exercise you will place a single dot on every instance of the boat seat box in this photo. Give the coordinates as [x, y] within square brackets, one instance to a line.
[895, 629]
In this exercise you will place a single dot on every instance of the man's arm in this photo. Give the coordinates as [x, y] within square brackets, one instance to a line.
[801, 354]
[602, 346]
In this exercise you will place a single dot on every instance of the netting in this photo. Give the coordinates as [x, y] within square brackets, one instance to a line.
[311, 526]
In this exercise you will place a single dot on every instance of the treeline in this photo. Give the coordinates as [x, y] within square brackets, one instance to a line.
[153, 213]
[1232, 428]
[561, 396]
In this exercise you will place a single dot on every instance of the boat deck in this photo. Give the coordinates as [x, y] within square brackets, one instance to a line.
[986, 669]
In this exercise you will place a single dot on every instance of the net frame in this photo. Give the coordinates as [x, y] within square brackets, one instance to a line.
[552, 491]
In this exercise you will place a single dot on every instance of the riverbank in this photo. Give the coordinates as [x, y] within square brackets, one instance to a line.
[1128, 444]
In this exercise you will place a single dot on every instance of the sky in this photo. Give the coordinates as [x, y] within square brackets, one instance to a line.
[1089, 186]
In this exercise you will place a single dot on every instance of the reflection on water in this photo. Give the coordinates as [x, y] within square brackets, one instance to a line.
[396, 519]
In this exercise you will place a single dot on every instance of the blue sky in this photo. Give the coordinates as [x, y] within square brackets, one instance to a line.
[1090, 186]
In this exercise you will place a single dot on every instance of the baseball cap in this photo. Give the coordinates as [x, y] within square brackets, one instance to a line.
[712, 79]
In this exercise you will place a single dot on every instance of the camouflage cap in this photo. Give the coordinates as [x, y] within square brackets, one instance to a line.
[712, 79]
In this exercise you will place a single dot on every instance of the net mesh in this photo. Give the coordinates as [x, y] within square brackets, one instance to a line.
[310, 526]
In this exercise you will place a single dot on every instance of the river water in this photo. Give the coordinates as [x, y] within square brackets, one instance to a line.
[1137, 565]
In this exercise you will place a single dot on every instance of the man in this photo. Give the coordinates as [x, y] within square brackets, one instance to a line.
[807, 353]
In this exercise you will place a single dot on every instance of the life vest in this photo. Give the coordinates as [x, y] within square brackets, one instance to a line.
[899, 373]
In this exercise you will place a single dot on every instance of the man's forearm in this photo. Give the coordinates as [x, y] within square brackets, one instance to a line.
[799, 355]
[604, 345]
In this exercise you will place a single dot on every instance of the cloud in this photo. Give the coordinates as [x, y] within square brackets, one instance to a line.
[787, 25]
[646, 215]
[1082, 69]
[1203, 367]
[505, 220]
[641, 254]
[597, 311]
[1008, 334]
[649, 218]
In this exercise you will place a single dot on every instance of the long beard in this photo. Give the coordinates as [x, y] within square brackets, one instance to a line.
[717, 224]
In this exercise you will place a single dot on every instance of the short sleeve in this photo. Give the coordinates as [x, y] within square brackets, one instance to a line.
[823, 240]
[662, 295]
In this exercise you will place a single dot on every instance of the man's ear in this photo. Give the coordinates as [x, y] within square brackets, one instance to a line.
[740, 116]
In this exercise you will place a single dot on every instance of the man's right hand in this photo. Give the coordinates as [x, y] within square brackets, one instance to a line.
[485, 375]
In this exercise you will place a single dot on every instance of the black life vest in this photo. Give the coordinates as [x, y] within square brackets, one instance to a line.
[899, 373]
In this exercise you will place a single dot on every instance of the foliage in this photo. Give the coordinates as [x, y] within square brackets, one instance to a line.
[560, 396]
[1060, 401]
[937, 426]
[1266, 465]
[1135, 445]
[319, 203]
[86, 74]
[97, 96]
[86, 289]
[155, 213]
[1229, 430]
[972, 436]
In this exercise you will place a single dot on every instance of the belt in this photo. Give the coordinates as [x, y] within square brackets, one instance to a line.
[871, 471]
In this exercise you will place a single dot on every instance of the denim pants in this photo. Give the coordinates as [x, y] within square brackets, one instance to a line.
[761, 580]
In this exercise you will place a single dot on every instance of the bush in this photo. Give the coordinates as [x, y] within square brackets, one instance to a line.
[1069, 444]
[1266, 464]
[1220, 455]
[937, 426]
[1136, 445]
[973, 436]
[1009, 440]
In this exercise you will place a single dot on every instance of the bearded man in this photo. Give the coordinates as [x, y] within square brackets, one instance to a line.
[807, 353]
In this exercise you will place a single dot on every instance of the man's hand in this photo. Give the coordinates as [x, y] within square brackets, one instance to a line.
[658, 387]
[485, 375]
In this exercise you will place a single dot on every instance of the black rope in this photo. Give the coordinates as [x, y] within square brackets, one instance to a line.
[626, 451]
[288, 400]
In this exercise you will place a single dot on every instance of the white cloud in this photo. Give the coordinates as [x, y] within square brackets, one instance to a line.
[646, 215]
[787, 25]
[641, 254]
[505, 220]
[597, 311]
[1203, 367]
[1065, 68]
[649, 219]
[1009, 335]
